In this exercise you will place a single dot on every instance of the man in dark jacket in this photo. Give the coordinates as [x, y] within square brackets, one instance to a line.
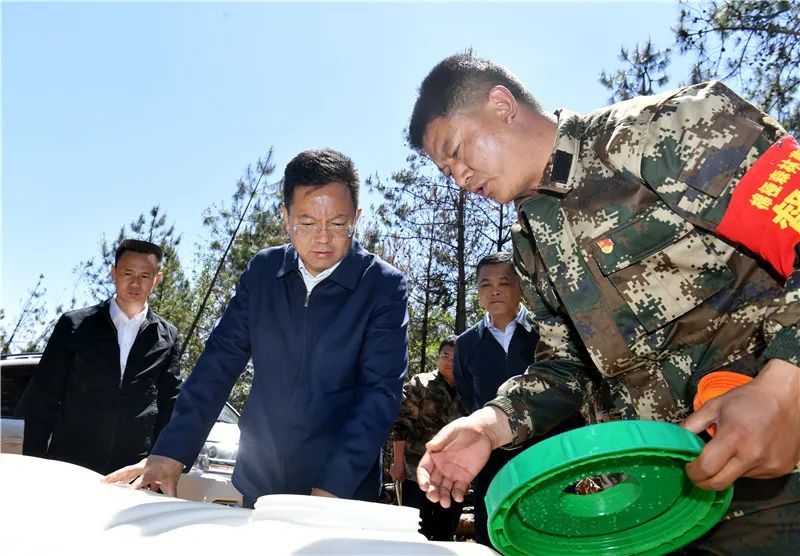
[109, 376]
[497, 347]
[325, 324]
[500, 345]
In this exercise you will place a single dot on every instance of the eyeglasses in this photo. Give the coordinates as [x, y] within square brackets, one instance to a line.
[313, 230]
[445, 355]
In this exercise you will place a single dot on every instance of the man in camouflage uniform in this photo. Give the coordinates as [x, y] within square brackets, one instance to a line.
[429, 403]
[656, 240]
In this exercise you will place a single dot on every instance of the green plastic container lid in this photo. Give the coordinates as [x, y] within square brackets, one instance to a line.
[655, 509]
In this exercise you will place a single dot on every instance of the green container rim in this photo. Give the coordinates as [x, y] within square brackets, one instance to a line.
[655, 509]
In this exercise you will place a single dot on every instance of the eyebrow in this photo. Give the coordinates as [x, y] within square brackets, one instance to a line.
[446, 148]
[340, 215]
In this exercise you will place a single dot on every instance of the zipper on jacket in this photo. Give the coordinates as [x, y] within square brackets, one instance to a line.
[308, 294]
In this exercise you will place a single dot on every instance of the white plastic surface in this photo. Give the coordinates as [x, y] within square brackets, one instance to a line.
[50, 507]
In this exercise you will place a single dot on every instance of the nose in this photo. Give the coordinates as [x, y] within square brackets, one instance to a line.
[461, 173]
[323, 234]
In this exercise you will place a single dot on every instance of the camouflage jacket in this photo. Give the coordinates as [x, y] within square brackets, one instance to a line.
[429, 403]
[636, 294]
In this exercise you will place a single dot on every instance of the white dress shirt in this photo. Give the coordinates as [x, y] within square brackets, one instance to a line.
[503, 337]
[127, 330]
[312, 281]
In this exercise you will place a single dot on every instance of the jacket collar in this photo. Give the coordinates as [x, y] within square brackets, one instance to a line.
[346, 274]
[149, 318]
[560, 169]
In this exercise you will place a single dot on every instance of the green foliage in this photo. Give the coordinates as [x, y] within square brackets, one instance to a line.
[643, 72]
[753, 45]
[253, 215]
[434, 233]
[173, 298]
[27, 332]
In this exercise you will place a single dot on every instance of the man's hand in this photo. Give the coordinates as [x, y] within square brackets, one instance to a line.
[758, 429]
[152, 473]
[397, 471]
[324, 493]
[458, 452]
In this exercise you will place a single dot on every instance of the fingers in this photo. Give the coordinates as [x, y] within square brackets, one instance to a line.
[445, 489]
[124, 475]
[703, 418]
[424, 471]
[440, 440]
[170, 488]
[714, 458]
[435, 494]
[459, 490]
[732, 470]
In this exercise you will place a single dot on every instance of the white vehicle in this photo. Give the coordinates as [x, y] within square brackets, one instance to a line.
[209, 480]
[59, 508]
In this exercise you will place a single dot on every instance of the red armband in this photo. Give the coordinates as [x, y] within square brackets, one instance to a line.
[764, 212]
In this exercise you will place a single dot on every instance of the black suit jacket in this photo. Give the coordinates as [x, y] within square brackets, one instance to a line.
[481, 365]
[79, 403]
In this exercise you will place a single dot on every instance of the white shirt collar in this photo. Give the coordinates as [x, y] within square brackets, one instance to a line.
[118, 316]
[311, 281]
[521, 318]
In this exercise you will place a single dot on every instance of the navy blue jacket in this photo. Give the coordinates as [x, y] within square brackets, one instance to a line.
[481, 365]
[328, 375]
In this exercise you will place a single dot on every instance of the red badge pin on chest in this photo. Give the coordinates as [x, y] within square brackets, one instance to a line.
[606, 246]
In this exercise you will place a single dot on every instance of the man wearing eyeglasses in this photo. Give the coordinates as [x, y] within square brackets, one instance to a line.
[324, 322]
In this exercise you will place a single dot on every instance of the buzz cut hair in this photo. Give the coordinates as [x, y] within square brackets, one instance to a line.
[458, 83]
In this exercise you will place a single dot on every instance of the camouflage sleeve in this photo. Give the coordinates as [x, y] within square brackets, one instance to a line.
[554, 387]
[409, 409]
[696, 153]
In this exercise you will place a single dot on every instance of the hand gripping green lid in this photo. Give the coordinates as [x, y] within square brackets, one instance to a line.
[655, 509]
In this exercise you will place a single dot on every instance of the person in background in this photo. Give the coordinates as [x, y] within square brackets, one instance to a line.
[324, 323]
[109, 376]
[498, 347]
[429, 403]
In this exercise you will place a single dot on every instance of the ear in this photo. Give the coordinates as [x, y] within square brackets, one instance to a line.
[358, 215]
[113, 273]
[159, 277]
[286, 224]
[502, 103]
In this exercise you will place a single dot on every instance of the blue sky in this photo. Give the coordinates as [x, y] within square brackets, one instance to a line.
[110, 108]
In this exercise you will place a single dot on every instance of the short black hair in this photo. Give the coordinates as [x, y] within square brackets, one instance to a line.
[501, 257]
[449, 341]
[138, 246]
[458, 83]
[318, 167]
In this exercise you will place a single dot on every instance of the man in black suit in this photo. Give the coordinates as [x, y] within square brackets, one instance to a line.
[109, 376]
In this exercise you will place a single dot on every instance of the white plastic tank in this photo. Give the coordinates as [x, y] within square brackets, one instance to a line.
[51, 507]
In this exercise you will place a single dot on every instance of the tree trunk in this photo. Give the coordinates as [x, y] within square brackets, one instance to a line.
[461, 286]
[426, 309]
